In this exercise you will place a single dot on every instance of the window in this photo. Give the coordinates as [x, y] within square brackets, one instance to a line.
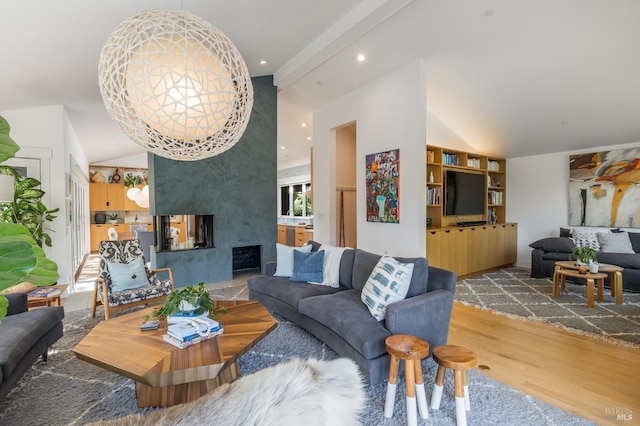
[295, 200]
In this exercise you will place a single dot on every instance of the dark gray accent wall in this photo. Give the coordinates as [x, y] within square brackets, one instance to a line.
[237, 186]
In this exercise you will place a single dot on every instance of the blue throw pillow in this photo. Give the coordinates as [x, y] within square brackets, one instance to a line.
[307, 267]
[127, 276]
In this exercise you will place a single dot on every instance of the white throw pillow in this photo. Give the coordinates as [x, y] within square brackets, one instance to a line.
[284, 265]
[618, 242]
[388, 283]
[331, 265]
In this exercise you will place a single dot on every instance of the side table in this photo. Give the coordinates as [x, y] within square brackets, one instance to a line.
[613, 270]
[560, 274]
[51, 299]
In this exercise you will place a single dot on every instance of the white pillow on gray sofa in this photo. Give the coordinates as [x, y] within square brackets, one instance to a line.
[615, 243]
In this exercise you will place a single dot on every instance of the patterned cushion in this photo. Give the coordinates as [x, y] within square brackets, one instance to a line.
[388, 283]
[307, 267]
[615, 243]
[586, 239]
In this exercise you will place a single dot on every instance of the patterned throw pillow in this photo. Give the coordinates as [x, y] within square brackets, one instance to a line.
[615, 243]
[586, 239]
[388, 283]
[307, 267]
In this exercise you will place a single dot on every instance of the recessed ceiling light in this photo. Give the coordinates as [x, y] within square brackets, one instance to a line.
[282, 147]
[308, 138]
[361, 57]
[303, 124]
[263, 62]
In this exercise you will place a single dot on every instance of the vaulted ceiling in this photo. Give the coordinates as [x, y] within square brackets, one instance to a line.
[511, 78]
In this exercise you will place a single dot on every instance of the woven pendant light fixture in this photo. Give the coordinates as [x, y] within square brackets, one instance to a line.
[175, 84]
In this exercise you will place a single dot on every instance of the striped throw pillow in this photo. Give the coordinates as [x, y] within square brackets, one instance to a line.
[388, 283]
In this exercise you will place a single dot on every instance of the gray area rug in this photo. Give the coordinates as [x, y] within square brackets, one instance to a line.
[68, 391]
[512, 292]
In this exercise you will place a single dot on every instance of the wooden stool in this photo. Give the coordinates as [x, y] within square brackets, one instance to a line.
[458, 359]
[411, 349]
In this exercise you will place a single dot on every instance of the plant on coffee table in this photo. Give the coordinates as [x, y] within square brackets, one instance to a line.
[585, 255]
[193, 298]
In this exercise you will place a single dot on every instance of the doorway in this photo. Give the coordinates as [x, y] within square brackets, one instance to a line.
[346, 187]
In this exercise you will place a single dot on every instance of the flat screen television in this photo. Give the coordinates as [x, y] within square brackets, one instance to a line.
[464, 193]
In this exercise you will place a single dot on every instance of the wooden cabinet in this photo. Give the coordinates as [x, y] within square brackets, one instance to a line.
[111, 198]
[99, 233]
[282, 234]
[447, 249]
[468, 250]
[106, 197]
[472, 250]
[129, 204]
[297, 232]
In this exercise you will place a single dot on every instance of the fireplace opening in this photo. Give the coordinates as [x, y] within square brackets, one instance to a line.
[247, 258]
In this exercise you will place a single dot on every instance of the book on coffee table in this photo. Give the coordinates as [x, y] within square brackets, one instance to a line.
[181, 344]
[189, 330]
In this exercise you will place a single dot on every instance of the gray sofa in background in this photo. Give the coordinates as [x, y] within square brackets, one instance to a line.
[24, 336]
[339, 318]
[547, 251]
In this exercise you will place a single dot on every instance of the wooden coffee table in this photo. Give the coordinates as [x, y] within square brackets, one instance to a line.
[613, 270]
[164, 374]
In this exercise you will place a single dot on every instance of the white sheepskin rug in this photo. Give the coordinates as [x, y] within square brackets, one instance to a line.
[298, 392]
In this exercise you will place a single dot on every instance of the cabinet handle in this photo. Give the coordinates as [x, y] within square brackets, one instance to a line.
[433, 232]
[447, 231]
[107, 204]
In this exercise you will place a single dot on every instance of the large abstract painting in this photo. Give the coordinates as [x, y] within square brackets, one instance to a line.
[604, 188]
[383, 186]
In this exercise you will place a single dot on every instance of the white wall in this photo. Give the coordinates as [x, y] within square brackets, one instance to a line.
[46, 132]
[389, 113]
[538, 196]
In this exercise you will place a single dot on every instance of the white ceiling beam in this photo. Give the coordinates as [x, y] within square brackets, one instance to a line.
[364, 17]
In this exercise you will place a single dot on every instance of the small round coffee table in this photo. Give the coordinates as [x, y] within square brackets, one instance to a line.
[560, 274]
[613, 270]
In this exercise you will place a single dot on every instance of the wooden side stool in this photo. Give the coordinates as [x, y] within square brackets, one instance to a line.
[458, 359]
[411, 349]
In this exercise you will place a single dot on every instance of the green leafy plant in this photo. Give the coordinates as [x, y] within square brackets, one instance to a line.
[27, 207]
[585, 255]
[22, 259]
[131, 180]
[113, 216]
[195, 295]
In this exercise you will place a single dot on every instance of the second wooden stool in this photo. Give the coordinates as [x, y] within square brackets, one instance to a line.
[411, 349]
[458, 359]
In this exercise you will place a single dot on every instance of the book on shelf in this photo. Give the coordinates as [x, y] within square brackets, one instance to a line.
[189, 330]
[431, 157]
[182, 345]
[44, 292]
[433, 196]
[493, 166]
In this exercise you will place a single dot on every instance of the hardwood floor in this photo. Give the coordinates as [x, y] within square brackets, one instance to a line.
[586, 376]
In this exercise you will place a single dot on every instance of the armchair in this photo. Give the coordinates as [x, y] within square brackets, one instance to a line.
[134, 283]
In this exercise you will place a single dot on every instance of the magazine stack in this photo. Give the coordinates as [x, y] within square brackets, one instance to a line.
[192, 330]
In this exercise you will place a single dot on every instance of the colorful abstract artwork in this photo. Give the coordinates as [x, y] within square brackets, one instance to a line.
[604, 188]
[383, 186]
